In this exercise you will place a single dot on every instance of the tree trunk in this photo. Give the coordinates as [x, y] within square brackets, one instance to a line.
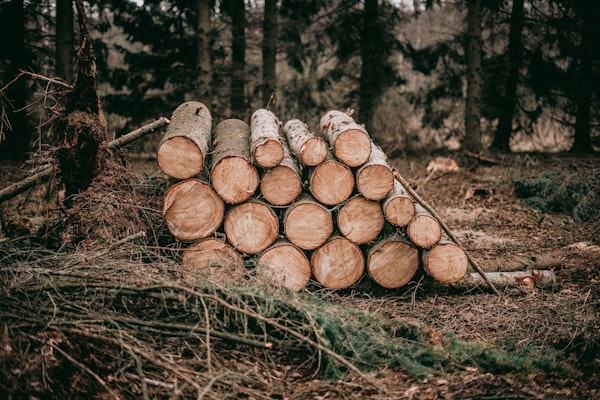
[423, 229]
[269, 50]
[307, 224]
[374, 179]
[183, 148]
[392, 262]
[251, 227]
[65, 40]
[350, 141]
[360, 220]
[473, 101]
[204, 57]
[338, 264]
[371, 58]
[265, 142]
[192, 210]
[281, 185]
[515, 59]
[531, 278]
[238, 58]
[214, 260]
[398, 207]
[233, 175]
[284, 264]
[310, 149]
[445, 262]
[331, 182]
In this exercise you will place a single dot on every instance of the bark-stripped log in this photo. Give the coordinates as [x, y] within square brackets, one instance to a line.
[374, 179]
[265, 142]
[338, 264]
[212, 259]
[423, 229]
[360, 220]
[398, 207]
[445, 262]
[185, 144]
[331, 182]
[192, 209]
[307, 224]
[350, 141]
[233, 175]
[392, 262]
[284, 265]
[530, 278]
[282, 184]
[308, 148]
[251, 227]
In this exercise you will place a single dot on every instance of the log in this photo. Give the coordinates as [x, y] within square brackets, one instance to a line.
[423, 229]
[233, 175]
[251, 227]
[185, 144]
[282, 184]
[374, 179]
[445, 262]
[337, 264]
[360, 220]
[212, 259]
[398, 207]
[307, 147]
[534, 278]
[350, 141]
[284, 265]
[307, 223]
[192, 209]
[392, 262]
[331, 182]
[265, 142]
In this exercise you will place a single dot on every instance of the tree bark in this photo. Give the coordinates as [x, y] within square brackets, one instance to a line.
[374, 179]
[266, 144]
[307, 224]
[398, 207]
[310, 149]
[251, 227]
[192, 210]
[423, 229]
[233, 175]
[269, 50]
[238, 58]
[392, 262]
[371, 56]
[331, 182]
[65, 40]
[338, 264]
[183, 148]
[285, 265]
[445, 262]
[214, 260]
[282, 184]
[350, 141]
[360, 220]
[472, 140]
[204, 68]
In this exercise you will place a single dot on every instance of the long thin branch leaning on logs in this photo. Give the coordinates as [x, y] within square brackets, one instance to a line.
[43, 176]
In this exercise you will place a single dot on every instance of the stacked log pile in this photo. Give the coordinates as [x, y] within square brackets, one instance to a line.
[298, 205]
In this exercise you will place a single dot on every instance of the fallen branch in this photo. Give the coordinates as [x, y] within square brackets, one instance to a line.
[43, 176]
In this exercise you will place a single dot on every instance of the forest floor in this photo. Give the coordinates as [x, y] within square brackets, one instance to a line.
[498, 229]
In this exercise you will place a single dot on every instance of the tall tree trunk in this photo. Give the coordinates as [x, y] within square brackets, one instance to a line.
[590, 30]
[65, 40]
[370, 51]
[204, 60]
[238, 58]
[473, 102]
[515, 60]
[269, 50]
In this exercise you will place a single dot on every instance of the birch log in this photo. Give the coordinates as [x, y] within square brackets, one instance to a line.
[445, 262]
[350, 141]
[398, 207]
[233, 175]
[392, 262]
[331, 182]
[360, 220]
[265, 142]
[251, 227]
[307, 223]
[284, 265]
[212, 259]
[534, 278]
[282, 184]
[423, 229]
[185, 144]
[374, 179]
[308, 148]
[192, 209]
[338, 264]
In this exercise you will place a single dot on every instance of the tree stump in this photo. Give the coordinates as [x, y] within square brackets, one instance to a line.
[350, 141]
[360, 220]
[310, 149]
[251, 227]
[338, 264]
[284, 265]
[307, 223]
[265, 142]
[392, 262]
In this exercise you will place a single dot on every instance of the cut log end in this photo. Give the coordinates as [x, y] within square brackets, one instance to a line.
[352, 147]
[338, 264]
[281, 185]
[234, 179]
[284, 264]
[213, 260]
[180, 158]
[446, 262]
[392, 264]
[424, 231]
[375, 181]
[313, 151]
[308, 224]
[268, 154]
[331, 183]
[360, 220]
[251, 227]
[399, 210]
